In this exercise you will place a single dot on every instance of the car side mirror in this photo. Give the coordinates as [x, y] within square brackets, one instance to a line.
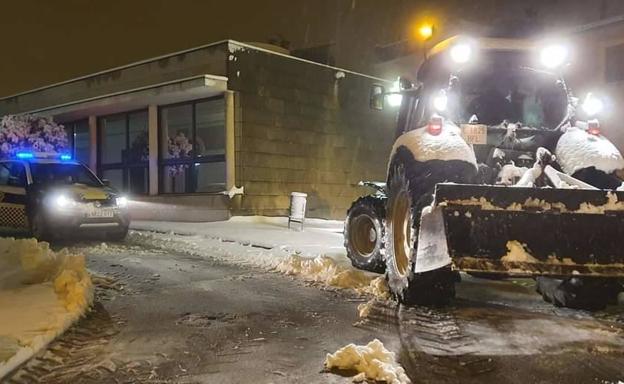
[106, 182]
[377, 93]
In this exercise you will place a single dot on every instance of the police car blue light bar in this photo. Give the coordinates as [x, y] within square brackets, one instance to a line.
[66, 157]
[24, 155]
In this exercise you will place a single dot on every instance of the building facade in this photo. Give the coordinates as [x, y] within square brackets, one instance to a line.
[226, 128]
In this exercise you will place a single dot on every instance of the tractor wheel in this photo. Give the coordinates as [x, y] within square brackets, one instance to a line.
[579, 293]
[363, 234]
[402, 218]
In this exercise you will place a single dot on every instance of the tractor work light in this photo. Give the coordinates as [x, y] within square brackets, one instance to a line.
[592, 105]
[554, 55]
[24, 155]
[440, 102]
[461, 53]
[394, 98]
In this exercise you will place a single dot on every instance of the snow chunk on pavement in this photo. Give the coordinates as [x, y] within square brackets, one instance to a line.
[373, 362]
[326, 270]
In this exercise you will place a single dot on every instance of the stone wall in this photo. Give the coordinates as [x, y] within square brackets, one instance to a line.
[302, 128]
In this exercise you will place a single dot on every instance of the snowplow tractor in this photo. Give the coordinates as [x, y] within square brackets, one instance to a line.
[364, 230]
[498, 170]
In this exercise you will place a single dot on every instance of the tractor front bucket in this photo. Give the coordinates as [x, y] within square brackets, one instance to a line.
[533, 231]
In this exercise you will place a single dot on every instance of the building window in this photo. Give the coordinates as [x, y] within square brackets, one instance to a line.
[192, 147]
[615, 63]
[123, 151]
[79, 140]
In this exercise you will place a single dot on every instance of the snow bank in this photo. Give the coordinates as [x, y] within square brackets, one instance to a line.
[373, 362]
[326, 270]
[41, 294]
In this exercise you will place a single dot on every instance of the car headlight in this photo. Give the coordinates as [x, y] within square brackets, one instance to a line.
[62, 201]
[122, 202]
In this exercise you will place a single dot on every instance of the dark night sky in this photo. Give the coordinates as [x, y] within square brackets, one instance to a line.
[46, 41]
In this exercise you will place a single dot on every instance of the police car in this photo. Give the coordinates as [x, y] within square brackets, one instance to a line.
[55, 197]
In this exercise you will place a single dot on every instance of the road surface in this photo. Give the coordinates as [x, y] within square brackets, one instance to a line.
[167, 317]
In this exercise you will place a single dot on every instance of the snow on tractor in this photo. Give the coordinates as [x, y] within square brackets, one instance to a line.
[495, 172]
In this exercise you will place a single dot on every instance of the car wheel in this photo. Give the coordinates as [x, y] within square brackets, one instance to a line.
[39, 228]
[118, 236]
[363, 234]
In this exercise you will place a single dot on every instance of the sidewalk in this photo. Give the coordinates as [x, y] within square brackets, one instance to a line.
[315, 254]
[318, 238]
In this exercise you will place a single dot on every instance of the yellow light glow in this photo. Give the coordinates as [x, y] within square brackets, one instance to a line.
[425, 31]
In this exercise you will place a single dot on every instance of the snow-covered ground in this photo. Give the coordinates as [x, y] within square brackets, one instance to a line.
[319, 237]
[315, 254]
[41, 294]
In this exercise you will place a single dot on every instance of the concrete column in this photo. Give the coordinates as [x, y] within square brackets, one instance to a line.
[230, 148]
[93, 141]
[152, 132]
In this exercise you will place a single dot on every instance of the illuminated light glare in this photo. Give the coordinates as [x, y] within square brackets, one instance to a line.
[592, 105]
[554, 56]
[440, 102]
[66, 157]
[394, 98]
[461, 53]
[425, 31]
[24, 155]
[62, 201]
[122, 202]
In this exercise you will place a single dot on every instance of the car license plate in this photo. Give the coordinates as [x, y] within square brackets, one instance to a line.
[474, 133]
[98, 213]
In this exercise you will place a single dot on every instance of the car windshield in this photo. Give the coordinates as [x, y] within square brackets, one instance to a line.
[501, 87]
[56, 173]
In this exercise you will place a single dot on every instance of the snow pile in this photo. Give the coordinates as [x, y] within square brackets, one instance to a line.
[41, 294]
[373, 362]
[326, 270]
[448, 145]
[577, 149]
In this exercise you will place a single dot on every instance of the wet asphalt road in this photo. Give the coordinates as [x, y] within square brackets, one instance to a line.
[163, 317]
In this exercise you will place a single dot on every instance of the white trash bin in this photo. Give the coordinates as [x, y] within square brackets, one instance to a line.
[298, 202]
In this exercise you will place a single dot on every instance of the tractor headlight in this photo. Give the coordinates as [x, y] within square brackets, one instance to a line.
[122, 202]
[553, 56]
[461, 53]
[592, 105]
[440, 102]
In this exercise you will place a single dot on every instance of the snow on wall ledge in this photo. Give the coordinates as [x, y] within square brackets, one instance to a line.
[577, 149]
[41, 294]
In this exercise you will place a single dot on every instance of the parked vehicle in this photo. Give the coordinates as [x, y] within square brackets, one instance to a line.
[55, 197]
